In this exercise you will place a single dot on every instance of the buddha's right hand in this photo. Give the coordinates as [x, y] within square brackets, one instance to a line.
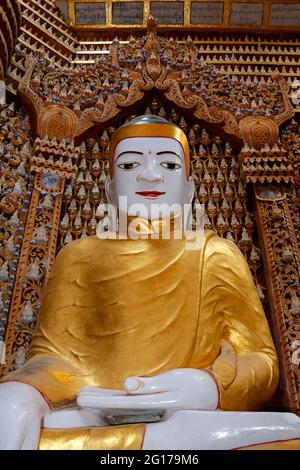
[176, 389]
[22, 408]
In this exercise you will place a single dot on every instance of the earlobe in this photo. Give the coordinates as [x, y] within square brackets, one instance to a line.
[191, 189]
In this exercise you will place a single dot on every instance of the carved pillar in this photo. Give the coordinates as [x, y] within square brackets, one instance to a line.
[270, 169]
[282, 266]
[52, 163]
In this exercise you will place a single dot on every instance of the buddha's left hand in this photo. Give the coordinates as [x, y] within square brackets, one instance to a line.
[189, 389]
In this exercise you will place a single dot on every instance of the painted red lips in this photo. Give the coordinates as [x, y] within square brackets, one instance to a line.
[150, 194]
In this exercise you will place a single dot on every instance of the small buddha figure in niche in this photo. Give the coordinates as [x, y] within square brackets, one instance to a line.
[142, 342]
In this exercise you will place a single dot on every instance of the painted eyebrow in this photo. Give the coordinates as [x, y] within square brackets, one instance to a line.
[169, 151]
[129, 151]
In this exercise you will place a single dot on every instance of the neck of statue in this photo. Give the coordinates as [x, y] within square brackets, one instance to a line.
[138, 227]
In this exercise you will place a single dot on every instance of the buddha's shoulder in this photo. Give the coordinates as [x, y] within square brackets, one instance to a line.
[214, 245]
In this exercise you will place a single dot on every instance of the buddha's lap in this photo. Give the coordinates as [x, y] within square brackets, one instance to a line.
[202, 430]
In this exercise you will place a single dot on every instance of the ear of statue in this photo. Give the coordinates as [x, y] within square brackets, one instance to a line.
[109, 190]
[191, 189]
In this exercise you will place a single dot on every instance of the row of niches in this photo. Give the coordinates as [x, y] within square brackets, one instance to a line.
[222, 48]
[218, 187]
[226, 55]
[233, 60]
[53, 35]
[63, 39]
[30, 42]
[252, 53]
[245, 43]
[44, 5]
[268, 55]
[39, 13]
[249, 66]
[290, 73]
[15, 193]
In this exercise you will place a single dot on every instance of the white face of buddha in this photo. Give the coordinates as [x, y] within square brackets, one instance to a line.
[150, 171]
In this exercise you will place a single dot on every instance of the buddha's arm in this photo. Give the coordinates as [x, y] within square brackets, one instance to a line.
[246, 370]
[53, 367]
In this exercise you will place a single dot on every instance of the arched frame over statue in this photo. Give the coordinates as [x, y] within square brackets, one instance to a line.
[68, 107]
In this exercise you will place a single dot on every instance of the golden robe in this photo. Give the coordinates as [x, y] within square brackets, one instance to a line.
[119, 308]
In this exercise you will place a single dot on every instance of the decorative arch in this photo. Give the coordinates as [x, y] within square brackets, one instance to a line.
[100, 92]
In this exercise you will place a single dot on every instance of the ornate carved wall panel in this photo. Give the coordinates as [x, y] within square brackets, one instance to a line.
[37, 257]
[15, 192]
[282, 265]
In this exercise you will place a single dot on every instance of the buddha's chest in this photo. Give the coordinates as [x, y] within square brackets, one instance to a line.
[144, 283]
[143, 299]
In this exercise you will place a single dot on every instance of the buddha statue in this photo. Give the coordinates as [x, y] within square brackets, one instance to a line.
[142, 333]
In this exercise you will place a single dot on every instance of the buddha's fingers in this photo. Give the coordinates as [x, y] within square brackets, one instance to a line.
[98, 391]
[165, 400]
[225, 366]
[144, 385]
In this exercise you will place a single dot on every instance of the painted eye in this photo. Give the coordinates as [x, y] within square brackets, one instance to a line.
[170, 165]
[128, 165]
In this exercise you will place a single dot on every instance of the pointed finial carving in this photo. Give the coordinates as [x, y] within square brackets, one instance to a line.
[152, 24]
